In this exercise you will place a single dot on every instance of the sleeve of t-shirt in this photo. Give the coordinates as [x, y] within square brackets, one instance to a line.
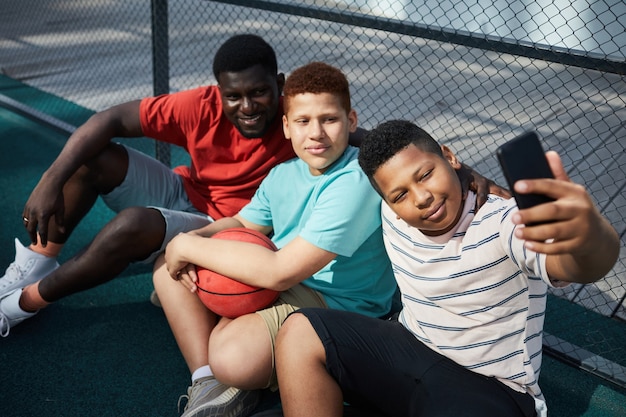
[169, 116]
[258, 210]
[342, 213]
[530, 263]
[346, 213]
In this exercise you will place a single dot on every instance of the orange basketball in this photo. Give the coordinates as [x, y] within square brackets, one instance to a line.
[227, 297]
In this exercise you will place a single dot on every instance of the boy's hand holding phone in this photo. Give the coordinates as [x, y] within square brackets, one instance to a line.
[564, 224]
[581, 244]
[555, 211]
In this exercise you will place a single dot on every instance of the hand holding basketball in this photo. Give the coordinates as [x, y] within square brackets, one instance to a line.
[227, 297]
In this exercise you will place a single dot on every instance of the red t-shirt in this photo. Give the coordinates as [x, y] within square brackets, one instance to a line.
[226, 168]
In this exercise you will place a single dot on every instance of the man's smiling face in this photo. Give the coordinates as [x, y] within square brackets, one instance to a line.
[250, 99]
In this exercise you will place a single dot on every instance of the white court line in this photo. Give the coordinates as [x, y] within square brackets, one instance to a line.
[36, 115]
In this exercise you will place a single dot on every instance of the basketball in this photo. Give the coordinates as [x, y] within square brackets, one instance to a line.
[227, 297]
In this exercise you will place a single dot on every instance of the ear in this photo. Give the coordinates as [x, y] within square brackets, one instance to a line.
[286, 127]
[353, 120]
[450, 157]
[217, 80]
[280, 82]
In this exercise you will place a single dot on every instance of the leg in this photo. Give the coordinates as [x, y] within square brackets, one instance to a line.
[133, 235]
[136, 233]
[103, 173]
[302, 374]
[190, 321]
[241, 355]
[380, 365]
[241, 352]
[192, 325]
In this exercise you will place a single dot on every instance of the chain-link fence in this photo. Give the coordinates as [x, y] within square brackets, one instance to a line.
[472, 72]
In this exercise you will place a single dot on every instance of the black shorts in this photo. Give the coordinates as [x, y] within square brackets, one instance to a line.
[381, 366]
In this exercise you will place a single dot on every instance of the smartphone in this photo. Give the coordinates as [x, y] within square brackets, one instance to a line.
[523, 157]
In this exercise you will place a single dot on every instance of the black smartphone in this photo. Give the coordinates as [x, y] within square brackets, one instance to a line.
[523, 157]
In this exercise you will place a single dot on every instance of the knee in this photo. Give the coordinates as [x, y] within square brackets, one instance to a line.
[295, 333]
[105, 171]
[294, 326]
[240, 352]
[226, 354]
[224, 366]
[298, 346]
[135, 221]
[139, 229]
[230, 366]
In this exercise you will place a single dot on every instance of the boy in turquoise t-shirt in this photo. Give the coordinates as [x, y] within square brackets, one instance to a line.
[325, 220]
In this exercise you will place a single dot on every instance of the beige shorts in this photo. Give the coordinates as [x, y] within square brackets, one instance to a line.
[296, 297]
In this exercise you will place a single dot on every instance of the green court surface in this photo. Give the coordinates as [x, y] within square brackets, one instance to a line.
[108, 351]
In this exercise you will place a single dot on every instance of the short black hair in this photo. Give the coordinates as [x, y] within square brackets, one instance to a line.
[244, 51]
[387, 139]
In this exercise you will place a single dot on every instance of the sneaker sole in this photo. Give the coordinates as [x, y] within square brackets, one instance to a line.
[25, 282]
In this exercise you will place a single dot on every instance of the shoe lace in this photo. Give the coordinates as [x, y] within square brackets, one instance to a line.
[13, 274]
[192, 392]
[181, 398]
[4, 322]
[187, 396]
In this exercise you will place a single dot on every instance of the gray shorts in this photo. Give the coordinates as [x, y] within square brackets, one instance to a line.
[150, 183]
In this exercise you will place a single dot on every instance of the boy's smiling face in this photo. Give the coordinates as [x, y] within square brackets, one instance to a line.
[318, 127]
[422, 188]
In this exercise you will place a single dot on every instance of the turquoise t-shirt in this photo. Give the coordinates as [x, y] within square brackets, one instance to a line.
[337, 211]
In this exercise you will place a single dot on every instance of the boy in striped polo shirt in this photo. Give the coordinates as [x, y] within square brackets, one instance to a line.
[474, 286]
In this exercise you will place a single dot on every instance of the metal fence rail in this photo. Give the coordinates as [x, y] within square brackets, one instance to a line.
[474, 73]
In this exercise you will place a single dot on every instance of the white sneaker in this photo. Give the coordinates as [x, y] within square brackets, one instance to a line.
[10, 312]
[27, 268]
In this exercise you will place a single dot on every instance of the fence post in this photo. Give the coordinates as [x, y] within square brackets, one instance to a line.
[160, 64]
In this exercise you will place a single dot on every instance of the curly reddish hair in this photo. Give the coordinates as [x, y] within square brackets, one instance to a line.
[317, 78]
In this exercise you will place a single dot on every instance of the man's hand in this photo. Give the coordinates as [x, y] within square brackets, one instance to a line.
[472, 180]
[44, 202]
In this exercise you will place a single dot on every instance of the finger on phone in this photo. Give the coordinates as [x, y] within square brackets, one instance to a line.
[556, 165]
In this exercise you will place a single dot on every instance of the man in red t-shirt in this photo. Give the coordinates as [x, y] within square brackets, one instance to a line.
[233, 134]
